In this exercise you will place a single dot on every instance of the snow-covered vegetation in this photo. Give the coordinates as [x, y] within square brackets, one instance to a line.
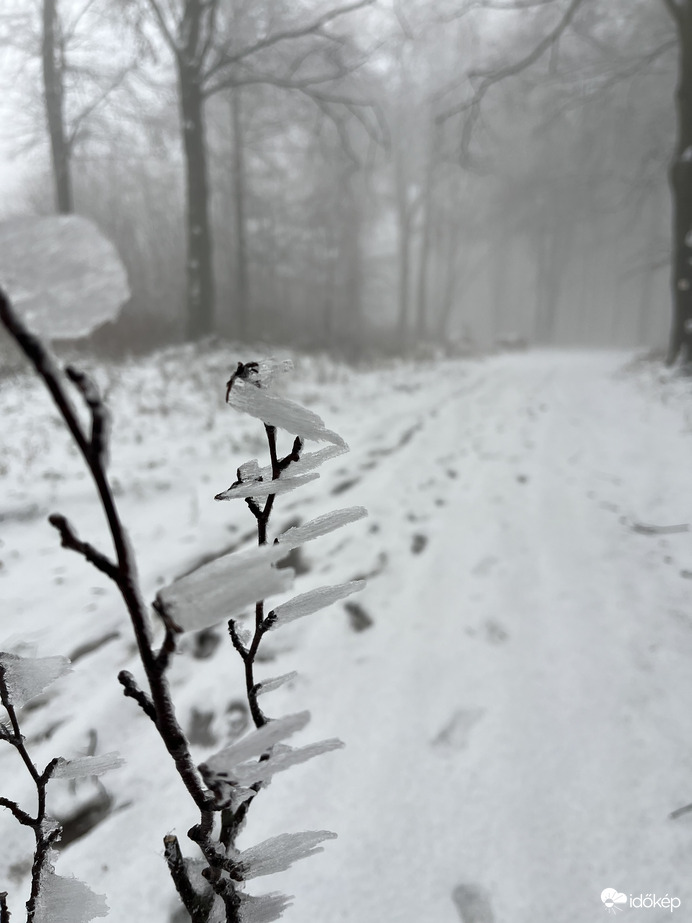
[512, 685]
[224, 787]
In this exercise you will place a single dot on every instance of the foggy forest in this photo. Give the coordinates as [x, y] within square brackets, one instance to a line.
[409, 279]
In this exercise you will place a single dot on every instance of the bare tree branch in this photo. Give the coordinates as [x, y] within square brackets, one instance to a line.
[163, 26]
[226, 59]
[132, 690]
[89, 109]
[507, 7]
[489, 79]
[25, 819]
[69, 539]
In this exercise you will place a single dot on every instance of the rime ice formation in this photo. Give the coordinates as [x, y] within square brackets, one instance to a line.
[312, 601]
[27, 677]
[63, 276]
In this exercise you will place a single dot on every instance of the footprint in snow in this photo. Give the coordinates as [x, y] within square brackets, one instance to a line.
[456, 732]
[485, 565]
[343, 486]
[494, 632]
[418, 543]
[473, 904]
[358, 617]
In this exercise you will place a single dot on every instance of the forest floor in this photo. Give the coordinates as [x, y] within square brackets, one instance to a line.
[514, 685]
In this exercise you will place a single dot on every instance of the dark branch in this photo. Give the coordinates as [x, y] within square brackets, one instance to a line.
[131, 689]
[160, 706]
[25, 819]
[226, 60]
[489, 79]
[197, 905]
[235, 639]
[100, 420]
[69, 539]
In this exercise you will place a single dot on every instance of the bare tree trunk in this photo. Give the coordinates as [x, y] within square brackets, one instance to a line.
[450, 285]
[646, 290]
[681, 189]
[404, 255]
[53, 64]
[553, 255]
[422, 311]
[242, 296]
[500, 268]
[200, 276]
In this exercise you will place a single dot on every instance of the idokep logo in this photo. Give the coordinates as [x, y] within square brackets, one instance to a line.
[615, 900]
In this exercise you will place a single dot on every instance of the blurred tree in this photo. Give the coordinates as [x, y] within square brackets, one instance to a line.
[83, 62]
[53, 64]
[593, 82]
[681, 186]
[216, 48]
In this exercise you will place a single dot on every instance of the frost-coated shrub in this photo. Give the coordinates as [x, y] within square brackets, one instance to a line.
[211, 881]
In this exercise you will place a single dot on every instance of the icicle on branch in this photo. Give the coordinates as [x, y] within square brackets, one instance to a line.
[310, 602]
[280, 852]
[321, 525]
[27, 677]
[224, 588]
[84, 767]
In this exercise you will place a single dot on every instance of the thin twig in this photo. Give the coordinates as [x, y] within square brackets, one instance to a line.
[131, 689]
[197, 905]
[69, 539]
[158, 704]
[44, 835]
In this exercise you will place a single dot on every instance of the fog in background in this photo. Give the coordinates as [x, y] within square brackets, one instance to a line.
[364, 177]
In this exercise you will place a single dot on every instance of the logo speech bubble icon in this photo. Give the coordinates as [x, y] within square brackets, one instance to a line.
[611, 898]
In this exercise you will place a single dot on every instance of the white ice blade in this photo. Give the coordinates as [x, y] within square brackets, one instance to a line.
[263, 488]
[320, 526]
[263, 909]
[313, 460]
[280, 412]
[308, 461]
[280, 852]
[282, 758]
[223, 763]
[223, 588]
[86, 766]
[310, 602]
[27, 677]
[66, 900]
[269, 685]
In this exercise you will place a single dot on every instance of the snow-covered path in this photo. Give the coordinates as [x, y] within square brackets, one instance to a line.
[517, 714]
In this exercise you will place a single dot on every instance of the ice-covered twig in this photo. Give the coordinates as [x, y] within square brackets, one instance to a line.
[158, 703]
[310, 602]
[21, 679]
[280, 852]
[198, 904]
[132, 690]
[100, 418]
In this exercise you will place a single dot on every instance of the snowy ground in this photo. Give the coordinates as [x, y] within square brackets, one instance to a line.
[514, 691]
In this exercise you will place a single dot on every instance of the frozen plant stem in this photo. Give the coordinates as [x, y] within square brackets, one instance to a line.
[224, 787]
[157, 704]
[261, 515]
[44, 834]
